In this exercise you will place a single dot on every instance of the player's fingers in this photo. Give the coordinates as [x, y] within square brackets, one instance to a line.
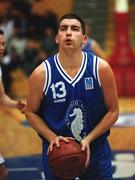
[50, 148]
[87, 158]
[57, 143]
[58, 139]
[65, 139]
[70, 138]
[83, 147]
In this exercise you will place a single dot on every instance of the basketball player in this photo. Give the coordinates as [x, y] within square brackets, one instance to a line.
[73, 94]
[7, 102]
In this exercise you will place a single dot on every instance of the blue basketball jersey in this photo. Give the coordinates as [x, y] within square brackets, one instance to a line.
[73, 106]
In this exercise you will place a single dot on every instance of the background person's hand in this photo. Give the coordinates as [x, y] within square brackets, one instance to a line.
[21, 106]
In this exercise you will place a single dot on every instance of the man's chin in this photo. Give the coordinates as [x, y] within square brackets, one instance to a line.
[70, 46]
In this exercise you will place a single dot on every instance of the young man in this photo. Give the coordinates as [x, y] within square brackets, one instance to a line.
[6, 101]
[73, 94]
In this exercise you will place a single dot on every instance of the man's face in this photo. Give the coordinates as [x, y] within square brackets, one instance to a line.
[70, 34]
[2, 45]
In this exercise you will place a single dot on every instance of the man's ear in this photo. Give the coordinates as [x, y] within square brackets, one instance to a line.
[56, 39]
[85, 38]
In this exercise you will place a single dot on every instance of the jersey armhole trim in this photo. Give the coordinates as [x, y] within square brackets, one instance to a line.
[96, 69]
[47, 76]
[0, 74]
[2, 160]
[98, 78]
[44, 87]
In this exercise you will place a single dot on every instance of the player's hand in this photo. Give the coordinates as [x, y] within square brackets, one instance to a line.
[56, 141]
[21, 106]
[86, 147]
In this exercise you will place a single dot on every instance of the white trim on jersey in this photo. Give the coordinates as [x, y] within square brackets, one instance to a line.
[96, 68]
[82, 70]
[61, 71]
[78, 76]
[0, 73]
[2, 160]
[94, 65]
[47, 76]
[98, 71]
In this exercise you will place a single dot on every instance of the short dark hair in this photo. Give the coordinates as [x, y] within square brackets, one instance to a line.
[72, 16]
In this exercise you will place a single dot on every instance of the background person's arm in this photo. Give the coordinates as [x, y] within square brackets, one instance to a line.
[97, 49]
[6, 101]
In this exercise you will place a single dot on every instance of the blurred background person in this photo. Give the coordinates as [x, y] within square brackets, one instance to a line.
[48, 43]
[92, 45]
[5, 100]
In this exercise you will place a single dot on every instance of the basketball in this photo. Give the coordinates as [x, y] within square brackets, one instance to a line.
[68, 160]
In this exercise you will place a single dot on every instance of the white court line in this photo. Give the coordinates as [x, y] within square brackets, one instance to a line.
[42, 176]
[23, 169]
[126, 120]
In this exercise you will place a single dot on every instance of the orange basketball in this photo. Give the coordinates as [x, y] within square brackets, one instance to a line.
[68, 160]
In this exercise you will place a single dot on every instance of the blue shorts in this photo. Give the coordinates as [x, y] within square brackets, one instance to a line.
[100, 167]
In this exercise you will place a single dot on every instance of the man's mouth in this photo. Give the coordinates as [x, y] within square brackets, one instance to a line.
[68, 41]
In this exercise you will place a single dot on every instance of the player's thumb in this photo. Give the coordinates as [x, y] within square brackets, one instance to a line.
[83, 147]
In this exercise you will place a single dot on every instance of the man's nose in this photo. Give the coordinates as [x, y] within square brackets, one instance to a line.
[69, 31]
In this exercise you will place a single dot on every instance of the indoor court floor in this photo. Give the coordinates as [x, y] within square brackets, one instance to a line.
[21, 146]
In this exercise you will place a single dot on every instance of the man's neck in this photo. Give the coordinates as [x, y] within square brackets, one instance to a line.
[70, 59]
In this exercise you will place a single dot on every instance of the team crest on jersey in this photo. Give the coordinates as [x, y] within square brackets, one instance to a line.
[89, 83]
[75, 119]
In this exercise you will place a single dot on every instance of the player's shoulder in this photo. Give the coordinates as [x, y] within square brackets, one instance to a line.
[39, 69]
[105, 69]
[103, 64]
[38, 74]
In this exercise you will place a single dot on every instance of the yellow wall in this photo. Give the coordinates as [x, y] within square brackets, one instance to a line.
[3, 7]
[60, 7]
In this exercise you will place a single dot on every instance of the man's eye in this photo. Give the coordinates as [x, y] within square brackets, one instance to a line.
[75, 29]
[62, 28]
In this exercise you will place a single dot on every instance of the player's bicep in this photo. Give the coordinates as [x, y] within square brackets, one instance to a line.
[108, 85]
[33, 98]
[35, 91]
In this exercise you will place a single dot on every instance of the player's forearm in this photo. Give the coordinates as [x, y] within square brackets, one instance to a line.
[39, 125]
[105, 124]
